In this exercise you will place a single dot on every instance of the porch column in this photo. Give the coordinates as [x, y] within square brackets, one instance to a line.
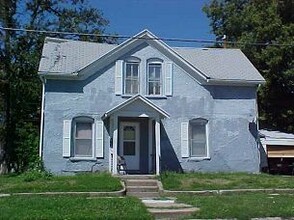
[115, 141]
[150, 144]
[157, 146]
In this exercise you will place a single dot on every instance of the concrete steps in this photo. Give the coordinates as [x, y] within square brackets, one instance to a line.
[171, 213]
[168, 209]
[146, 188]
[142, 182]
[143, 194]
[141, 186]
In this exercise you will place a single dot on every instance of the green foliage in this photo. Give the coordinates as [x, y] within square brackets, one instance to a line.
[27, 143]
[33, 175]
[42, 181]
[249, 23]
[71, 207]
[243, 206]
[219, 181]
[20, 86]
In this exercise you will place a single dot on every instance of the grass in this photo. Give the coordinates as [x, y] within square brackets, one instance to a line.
[71, 207]
[243, 206]
[80, 183]
[218, 181]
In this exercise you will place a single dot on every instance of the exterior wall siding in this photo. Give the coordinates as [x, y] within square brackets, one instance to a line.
[229, 110]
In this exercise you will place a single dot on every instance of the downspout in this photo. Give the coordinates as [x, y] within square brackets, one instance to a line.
[42, 118]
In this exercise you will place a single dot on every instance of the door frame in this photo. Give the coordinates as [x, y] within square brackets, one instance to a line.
[137, 141]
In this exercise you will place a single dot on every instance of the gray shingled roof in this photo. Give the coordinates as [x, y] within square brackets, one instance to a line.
[61, 56]
[69, 56]
[222, 64]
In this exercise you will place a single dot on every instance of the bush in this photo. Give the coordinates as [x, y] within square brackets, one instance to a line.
[32, 175]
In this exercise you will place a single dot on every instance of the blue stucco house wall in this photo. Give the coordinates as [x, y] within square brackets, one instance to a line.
[157, 107]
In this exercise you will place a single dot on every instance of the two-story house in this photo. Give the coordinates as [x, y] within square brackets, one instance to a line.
[159, 107]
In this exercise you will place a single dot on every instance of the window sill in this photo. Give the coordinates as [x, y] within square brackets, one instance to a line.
[196, 159]
[77, 159]
[127, 95]
[156, 97]
[147, 96]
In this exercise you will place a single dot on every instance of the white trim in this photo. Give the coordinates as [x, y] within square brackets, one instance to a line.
[207, 139]
[184, 134]
[42, 119]
[66, 138]
[115, 141]
[99, 139]
[157, 146]
[168, 78]
[118, 81]
[235, 82]
[110, 149]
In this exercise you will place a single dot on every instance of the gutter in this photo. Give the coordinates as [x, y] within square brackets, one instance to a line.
[234, 82]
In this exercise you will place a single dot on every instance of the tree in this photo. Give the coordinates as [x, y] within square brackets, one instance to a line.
[264, 31]
[20, 86]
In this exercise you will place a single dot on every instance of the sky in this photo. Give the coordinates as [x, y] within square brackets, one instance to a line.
[164, 18]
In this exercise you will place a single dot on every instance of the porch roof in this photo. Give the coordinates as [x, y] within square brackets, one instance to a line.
[134, 101]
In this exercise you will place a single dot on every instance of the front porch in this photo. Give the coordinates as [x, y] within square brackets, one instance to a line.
[134, 128]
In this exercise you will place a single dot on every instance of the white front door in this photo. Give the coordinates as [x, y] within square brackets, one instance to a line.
[130, 144]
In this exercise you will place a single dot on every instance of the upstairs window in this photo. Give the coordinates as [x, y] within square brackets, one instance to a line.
[131, 84]
[154, 77]
[131, 79]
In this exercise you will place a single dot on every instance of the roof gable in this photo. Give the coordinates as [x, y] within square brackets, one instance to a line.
[142, 105]
[67, 59]
[143, 37]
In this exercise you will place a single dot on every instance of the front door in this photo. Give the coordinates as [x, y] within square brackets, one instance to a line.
[130, 144]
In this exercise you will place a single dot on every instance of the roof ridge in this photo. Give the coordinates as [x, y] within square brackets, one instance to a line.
[62, 40]
[204, 48]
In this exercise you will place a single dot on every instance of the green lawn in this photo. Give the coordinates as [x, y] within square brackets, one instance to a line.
[243, 206]
[217, 181]
[80, 183]
[71, 207]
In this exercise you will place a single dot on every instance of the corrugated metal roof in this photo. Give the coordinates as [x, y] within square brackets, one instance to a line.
[276, 135]
[61, 56]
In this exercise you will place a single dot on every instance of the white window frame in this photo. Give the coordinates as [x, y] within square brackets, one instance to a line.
[155, 61]
[83, 119]
[131, 61]
[195, 122]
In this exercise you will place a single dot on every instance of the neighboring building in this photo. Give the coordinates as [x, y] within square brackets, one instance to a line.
[161, 108]
[279, 148]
